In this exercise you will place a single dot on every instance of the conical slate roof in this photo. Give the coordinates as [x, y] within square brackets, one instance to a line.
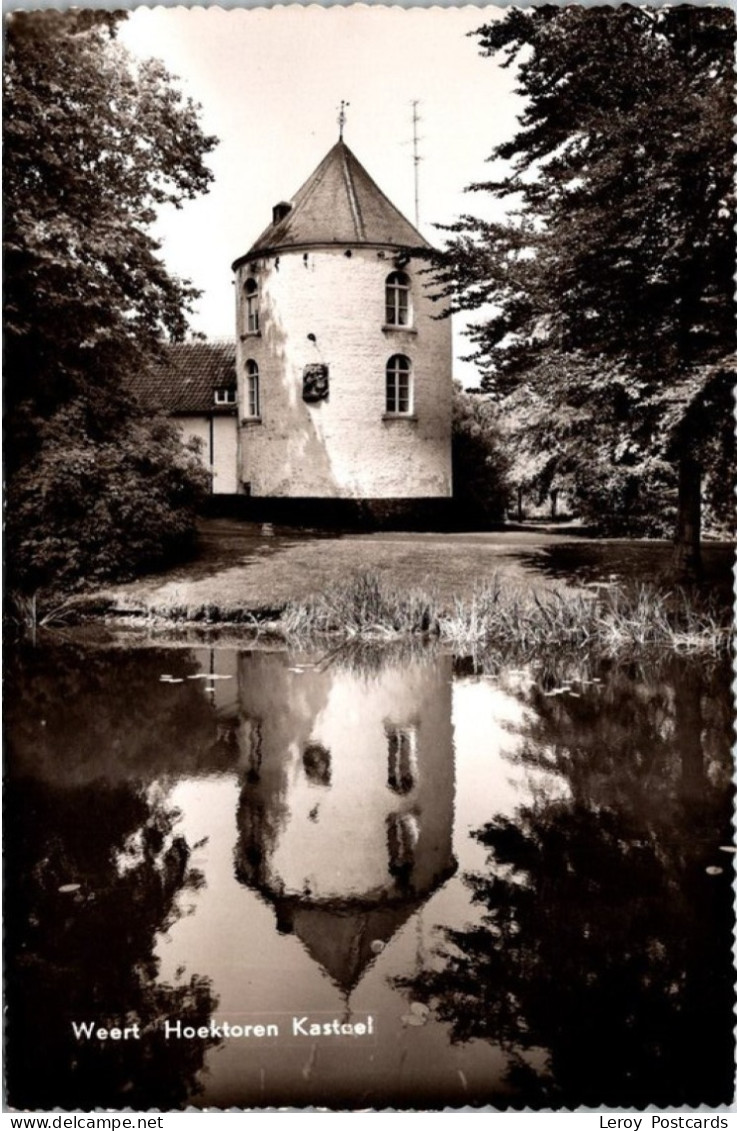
[343, 942]
[338, 204]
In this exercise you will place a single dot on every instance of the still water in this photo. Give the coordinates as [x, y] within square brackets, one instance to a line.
[366, 880]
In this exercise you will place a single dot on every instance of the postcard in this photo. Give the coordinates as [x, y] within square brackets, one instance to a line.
[369, 559]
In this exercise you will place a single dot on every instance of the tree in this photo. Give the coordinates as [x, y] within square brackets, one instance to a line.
[564, 431]
[611, 283]
[604, 940]
[100, 870]
[479, 463]
[94, 144]
[89, 896]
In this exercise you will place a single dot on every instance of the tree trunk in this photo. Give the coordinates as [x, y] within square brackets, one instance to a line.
[553, 501]
[687, 560]
[519, 504]
[689, 726]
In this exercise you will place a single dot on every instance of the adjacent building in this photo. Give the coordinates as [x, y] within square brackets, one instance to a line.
[196, 386]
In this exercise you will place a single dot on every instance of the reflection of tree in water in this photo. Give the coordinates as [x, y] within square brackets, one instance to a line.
[94, 869]
[92, 875]
[76, 714]
[604, 940]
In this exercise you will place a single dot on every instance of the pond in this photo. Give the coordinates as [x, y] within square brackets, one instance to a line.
[242, 877]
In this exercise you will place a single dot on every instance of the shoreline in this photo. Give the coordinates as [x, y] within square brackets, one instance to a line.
[518, 591]
[603, 620]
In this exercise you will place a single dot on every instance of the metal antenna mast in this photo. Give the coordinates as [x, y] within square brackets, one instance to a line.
[342, 117]
[416, 159]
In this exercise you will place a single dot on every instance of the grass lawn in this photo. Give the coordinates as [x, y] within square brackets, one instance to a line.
[630, 560]
[240, 567]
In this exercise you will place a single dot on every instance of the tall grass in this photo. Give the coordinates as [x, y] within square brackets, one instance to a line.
[497, 618]
[25, 614]
[365, 605]
[522, 619]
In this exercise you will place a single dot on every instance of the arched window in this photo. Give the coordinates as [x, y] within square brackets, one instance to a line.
[316, 761]
[402, 750]
[398, 385]
[402, 835]
[253, 395]
[397, 299]
[251, 289]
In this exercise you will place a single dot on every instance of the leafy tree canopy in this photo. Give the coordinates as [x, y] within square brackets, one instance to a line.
[604, 938]
[611, 283]
[94, 144]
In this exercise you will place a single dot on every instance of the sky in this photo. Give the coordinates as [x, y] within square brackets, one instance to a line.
[270, 82]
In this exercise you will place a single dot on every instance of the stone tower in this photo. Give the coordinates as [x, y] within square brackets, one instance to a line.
[344, 369]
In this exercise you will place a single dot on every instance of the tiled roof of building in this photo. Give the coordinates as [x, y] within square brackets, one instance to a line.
[338, 204]
[187, 381]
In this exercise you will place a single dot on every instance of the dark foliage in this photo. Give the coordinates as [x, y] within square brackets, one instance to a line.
[610, 338]
[93, 145]
[603, 941]
[83, 510]
[96, 874]
[480, 491]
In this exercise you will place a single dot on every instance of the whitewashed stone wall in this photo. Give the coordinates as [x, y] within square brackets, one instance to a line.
[344, 447]
[218, 450]
[345, 854]
[225, 455]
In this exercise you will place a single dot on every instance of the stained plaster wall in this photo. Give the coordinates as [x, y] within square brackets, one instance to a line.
[344, 447]
[330, 839]
[222, 460]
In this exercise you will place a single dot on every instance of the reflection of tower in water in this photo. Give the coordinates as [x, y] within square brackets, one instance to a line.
[346, 808]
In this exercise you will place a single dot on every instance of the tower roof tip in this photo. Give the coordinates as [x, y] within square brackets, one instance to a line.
[342, 118]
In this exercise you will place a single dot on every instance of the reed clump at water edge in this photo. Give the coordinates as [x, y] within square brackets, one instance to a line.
[611, 619]
[496, 615]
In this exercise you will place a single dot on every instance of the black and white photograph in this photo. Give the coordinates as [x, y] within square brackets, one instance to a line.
[369, 544]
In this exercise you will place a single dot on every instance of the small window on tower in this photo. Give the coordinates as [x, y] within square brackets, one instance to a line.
[402, 751]
[397, 299]
[253, 394]
[252, 313]
[399, 385]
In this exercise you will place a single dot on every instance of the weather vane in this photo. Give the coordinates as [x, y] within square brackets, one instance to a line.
[341, 117]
